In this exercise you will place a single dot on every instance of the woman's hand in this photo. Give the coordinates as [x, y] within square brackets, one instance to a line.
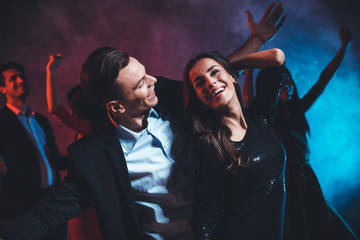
[269, 24]
[345, 35]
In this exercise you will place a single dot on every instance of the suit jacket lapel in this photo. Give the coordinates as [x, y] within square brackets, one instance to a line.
[28, 147]
[116, 156]
[17, 125]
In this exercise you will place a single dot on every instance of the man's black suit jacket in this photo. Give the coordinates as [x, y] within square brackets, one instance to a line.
[21, 186]
[98, 175]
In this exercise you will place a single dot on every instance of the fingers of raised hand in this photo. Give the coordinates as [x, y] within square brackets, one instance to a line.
[55, 56]
[250, 17]
[281, 22]
[276, 13]
[345, 33]
[268, 11]
[58, 56]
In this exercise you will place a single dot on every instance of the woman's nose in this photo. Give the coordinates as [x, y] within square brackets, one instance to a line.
[211, 82]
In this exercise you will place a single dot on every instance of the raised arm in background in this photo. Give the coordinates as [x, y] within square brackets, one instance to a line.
[262, 59]
[326, 75]
[52, 95]
[261, 32]
[55, 108]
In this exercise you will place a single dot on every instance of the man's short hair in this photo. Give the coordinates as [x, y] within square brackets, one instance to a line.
[99, 73]
[10, 65]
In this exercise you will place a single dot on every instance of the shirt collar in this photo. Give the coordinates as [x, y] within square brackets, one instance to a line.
[152, 113]
[25, 111]
[127, 137]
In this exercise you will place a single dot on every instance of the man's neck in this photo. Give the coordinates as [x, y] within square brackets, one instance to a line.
[18, 103]
[135, 124]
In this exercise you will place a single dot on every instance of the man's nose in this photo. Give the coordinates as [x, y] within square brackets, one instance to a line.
[19, 79]
[152, 80]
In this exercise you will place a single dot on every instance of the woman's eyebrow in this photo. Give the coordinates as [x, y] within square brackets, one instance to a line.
[208, 70]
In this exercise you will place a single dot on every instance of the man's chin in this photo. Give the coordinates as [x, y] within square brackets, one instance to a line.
[154, 101]
[26, 92]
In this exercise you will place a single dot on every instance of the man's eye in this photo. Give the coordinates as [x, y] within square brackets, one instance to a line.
[141, 84]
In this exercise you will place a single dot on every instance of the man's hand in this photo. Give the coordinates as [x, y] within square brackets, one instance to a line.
[54, 62]
[269, 24]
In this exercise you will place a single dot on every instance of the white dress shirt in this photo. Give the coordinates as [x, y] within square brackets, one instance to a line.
[162, 198]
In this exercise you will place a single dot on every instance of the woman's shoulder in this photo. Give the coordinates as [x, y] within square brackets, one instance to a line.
[256, 118]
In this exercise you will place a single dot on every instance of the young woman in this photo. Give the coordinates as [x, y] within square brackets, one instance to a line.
[239, 188]
[307, 215]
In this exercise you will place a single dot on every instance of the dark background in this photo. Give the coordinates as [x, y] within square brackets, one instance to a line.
[164, 35]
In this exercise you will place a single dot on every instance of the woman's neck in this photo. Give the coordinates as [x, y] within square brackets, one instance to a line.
[234, 119]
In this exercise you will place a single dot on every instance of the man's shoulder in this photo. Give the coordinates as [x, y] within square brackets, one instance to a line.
[6, 116]
[4, 111]
[41, 117]
[169, 93]
[166, 83]
[93, 142]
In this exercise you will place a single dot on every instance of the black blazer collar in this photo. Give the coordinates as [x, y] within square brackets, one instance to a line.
[116, 156]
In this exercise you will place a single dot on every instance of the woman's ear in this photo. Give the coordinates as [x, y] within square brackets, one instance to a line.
[115, 107]
[234, 80]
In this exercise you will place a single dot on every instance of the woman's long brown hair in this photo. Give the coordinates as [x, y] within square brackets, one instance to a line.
[205, 124]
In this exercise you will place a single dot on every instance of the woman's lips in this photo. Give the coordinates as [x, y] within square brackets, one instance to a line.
[215, 93]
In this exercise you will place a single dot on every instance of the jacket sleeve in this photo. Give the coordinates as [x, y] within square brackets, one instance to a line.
[206, 207]
[50, 214]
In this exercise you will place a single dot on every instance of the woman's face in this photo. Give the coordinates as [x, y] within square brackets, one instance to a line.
[214, 86]
[287, 90]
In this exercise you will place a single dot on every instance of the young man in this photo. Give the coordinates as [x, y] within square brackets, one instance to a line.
[138, 171]
[27, 148]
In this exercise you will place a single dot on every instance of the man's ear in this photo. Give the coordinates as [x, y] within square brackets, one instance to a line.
[115, 107]
[2, 90]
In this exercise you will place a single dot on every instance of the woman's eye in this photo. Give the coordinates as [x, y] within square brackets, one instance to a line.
[214, 72]
[198, 83]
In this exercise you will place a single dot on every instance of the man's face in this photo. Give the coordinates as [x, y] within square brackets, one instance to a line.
[15, 85]
[137, 88]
